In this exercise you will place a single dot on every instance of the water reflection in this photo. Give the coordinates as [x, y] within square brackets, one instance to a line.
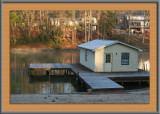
[54, 84]
[21, 83]
[144, 62]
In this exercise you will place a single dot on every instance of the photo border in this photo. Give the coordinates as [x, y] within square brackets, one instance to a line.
[82, 1]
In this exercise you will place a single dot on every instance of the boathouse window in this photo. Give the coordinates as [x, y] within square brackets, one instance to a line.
[85, 55]
[125, 59]
[108, 58]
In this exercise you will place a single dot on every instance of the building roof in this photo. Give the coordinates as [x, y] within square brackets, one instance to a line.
[95, 44]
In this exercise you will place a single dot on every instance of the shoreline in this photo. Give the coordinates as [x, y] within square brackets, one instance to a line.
[36, 50]
[21, 50]
[128, 97]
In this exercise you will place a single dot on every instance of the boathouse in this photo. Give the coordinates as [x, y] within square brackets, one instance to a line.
[109, 56]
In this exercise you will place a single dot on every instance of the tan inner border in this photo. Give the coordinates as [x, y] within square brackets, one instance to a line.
[80, 107]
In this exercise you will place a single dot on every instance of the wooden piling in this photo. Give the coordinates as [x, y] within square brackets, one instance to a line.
[122, 82]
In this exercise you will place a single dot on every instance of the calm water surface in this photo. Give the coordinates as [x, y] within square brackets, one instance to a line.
[21, 83]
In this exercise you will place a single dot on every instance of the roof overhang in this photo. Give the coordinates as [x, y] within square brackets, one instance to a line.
[122, 44]
[138, 49]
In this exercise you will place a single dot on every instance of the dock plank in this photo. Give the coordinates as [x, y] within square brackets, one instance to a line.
[95, 80]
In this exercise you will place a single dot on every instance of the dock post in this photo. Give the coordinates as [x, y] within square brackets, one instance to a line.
[47, 72]
[64, 72]
[139, 84]
[67, 72]
[54, 72]
[89, 91]
[77, 79]
[122, 83]
[58, 72]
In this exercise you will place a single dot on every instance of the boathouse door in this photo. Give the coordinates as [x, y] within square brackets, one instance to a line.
[107, 62]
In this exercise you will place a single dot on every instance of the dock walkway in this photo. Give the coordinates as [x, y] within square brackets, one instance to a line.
[96, 81]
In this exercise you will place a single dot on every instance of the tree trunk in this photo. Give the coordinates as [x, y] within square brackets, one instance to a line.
[104, 34]
[75, 35]
[40, 18]
[54, 29]
[73, 28]
[57, 28]
[89, 31]
[97, 30]
[60, 25]
[72, 37]
[14, 37]
[98, 18]
[47, 27]
[143, 29]
[28, 25]
[64, 27]
[64, 32]
[31, 24]
[85, 26]
[101, 33]
[91, 23]
[89, 27]
[129, 28]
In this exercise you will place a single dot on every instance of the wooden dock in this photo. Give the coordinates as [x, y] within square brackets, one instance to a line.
[95, 81]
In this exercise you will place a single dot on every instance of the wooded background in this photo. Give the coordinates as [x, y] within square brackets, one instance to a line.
[61, 27]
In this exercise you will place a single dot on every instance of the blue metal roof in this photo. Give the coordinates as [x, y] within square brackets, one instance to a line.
[95, 44]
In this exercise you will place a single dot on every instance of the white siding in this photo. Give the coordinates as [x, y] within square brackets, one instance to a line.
[99, 61]
[116, 63]
[116, 59]
[90, 63]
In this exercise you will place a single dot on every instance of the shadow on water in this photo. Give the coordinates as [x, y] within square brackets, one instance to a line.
[134, 85]
[21, 83]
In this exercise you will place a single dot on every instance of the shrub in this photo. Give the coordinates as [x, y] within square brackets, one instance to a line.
[57, 46]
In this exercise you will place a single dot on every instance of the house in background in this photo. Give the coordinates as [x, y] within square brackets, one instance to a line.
[109, 56]
[78, 21]
[136, 22]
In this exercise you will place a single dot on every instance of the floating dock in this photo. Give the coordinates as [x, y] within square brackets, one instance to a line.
[95, 80]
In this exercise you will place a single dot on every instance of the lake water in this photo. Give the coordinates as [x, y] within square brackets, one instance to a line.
[21, 83]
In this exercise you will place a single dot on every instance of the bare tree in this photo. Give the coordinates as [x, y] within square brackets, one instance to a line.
[85, 28]
[91, 23]
[129, 20]
[144, 27]
[98, 18]
[73, 28]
